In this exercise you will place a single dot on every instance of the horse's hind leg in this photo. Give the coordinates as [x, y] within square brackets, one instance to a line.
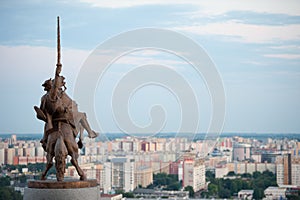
[48, 165]
[72, 148]
[78, 169]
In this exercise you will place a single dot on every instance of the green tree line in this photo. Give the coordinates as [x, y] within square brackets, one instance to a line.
[6, 191]
[165, 181]
[226, 188]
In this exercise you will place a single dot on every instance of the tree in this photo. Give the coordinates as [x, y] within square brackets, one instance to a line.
[258, 193]
[209, 175]
[231, 173]
[191, 190]
[23, 178]
[19, 167]
[224, 193]
[36, 167]
[119, 191]
[268, 173]
[7, 193]
[16, 195]
[246, 175]
[245, 185]
[170, 181]
[227, 184]
[212, 189]
[5, 181]
[226, 188]
[205, 195]
[256, 174]
[9, 167]
[234, 187]
[128, 195]
[240, 184]
[173, 186]
[294, 196]
[125, 194]
[150, 186]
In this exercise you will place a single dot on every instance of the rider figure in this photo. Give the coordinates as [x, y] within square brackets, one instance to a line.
[61, 108]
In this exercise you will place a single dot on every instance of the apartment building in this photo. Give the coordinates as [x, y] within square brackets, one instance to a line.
[193, 173]
[288, 170]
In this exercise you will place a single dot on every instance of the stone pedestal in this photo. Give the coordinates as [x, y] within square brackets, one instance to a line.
[65, 190]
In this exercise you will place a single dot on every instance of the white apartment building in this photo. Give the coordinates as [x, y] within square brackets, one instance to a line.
[39, 151]
[2, 156]
[241, 151]
[119, 173]
[272, 193]
[296, 171]
[9, 156]
[106, 183]
[194, 173]
[245, 167]
[221, 171]
[143, 176]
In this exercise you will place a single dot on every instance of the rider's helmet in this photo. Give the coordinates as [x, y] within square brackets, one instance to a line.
[47, 85]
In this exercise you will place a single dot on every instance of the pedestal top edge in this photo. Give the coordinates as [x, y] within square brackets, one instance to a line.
[66, 184]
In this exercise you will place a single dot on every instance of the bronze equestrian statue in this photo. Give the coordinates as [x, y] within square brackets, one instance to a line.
[63, 122]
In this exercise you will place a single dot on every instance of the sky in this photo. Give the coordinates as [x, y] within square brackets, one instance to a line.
[254, 45]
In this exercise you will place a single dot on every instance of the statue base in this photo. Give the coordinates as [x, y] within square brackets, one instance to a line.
[68, 189]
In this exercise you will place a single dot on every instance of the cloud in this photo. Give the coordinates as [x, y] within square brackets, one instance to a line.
[123, 3]
[217, 7]
[251, 62]
[212, 7]
[23, 63]
[141, 60]
[23, 70]
[212, 17]
[248, 33]
[286, 47]
[283, 56]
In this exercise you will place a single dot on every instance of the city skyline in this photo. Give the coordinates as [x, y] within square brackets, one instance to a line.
[254, 45]
[131, 164]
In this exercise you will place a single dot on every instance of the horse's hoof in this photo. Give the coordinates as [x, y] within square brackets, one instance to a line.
[80, 145]
[83, 178]
[93, 134]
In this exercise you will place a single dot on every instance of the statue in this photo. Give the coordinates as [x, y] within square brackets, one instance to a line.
[63, 122]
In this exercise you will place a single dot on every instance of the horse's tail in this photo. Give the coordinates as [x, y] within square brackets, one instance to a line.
[61, 153]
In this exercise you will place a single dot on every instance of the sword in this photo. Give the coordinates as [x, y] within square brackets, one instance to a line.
[55, 88]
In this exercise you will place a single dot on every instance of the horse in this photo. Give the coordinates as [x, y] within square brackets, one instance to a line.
[61, 143]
